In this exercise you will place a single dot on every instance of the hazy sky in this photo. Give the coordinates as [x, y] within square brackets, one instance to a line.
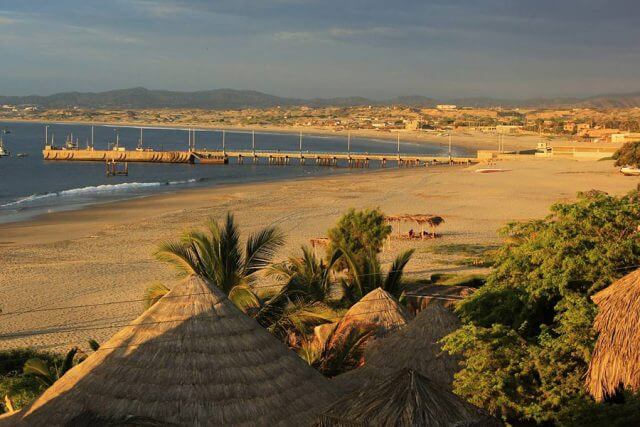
[325, 48]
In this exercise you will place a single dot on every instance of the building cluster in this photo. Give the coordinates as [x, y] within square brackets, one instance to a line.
[615, 125]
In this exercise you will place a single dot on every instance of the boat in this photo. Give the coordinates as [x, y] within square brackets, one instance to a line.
[3, 151]
[490, 170]
[70, 143]
[630, 171]
[22, 155]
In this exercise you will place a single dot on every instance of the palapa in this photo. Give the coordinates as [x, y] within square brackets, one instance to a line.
[432, 221]
[447, 295]
[191, 359]
[415, 346]
[615, 362]
[377, 309]
[404, 398]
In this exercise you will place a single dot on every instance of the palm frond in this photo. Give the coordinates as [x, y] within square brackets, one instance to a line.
[260, 249]
[310, 351]
[179, 256]
[39, 369]
[393, 281]
[68, 362]
[243, 297]
[153, 294]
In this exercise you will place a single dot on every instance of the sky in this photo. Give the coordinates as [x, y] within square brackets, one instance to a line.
[323, 48]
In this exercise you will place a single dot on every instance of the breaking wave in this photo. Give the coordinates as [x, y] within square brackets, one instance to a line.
[95, 190]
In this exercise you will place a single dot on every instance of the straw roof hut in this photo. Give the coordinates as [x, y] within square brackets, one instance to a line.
[447, 295]
[432, 221]
[415, 346]
[615, 362]
[191, 359]
[378, 308]
[404, 398]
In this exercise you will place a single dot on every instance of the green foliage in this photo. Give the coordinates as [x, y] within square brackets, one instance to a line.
[48, 373]
[359, 233]
[628, 154]
[153, 293]
[217, 256]
[528, 337]
[20, 388]
[341, 352]
[589, 413]
[308, 277]
[365, 275]
[470, 280]
[498, 366]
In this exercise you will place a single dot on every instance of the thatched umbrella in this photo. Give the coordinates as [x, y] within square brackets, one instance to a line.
[420, 219]
[191, 359]
[415, 346]
[615, 362]
[447, 295]
[404, 398]
[379, 309]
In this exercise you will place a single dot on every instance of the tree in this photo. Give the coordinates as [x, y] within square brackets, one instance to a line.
[365, 275]
[527, 338]
[359, 233]
[340, 352]
[308, 277]
[48, 374]
[217, 256]
[628, 154]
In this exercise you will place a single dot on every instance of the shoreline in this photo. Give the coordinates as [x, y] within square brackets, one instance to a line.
[125, 204]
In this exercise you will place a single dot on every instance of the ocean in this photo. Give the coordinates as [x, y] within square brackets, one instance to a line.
[31, 186]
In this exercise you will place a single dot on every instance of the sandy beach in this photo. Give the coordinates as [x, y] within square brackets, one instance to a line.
[103, 254]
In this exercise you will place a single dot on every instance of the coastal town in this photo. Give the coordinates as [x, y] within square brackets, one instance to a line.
[598, 125]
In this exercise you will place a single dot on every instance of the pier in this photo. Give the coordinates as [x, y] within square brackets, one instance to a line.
[272, 157]
[71, 152]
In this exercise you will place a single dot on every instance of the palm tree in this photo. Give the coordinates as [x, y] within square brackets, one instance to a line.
[340, 352]
[46, 374]
[216, 255]
[365, 275]
[308, 277]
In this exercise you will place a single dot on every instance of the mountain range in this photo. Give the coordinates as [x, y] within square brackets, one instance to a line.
[140, 97]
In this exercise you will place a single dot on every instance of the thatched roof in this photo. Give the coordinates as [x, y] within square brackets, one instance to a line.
[446, 295]
[415, 346]
[379, 309]
[404, 398]
[432, 220]
[616, 357]
[191, 359]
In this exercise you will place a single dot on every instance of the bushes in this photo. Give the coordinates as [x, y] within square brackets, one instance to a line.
[359, 233]
[628, 154]
[21, 389]
[528, 336]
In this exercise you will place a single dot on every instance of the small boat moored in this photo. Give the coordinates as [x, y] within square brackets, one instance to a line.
[490, 170]
[3, 151]
[630, 171]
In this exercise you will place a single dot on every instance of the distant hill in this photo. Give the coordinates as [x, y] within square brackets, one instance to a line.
[140, 97]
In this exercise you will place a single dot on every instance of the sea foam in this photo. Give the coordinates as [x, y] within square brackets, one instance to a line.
[94, 190]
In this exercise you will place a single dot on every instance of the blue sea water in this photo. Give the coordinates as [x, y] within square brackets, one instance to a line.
[31, 186]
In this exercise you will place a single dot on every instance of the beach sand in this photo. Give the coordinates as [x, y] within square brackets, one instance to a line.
[103, 254]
